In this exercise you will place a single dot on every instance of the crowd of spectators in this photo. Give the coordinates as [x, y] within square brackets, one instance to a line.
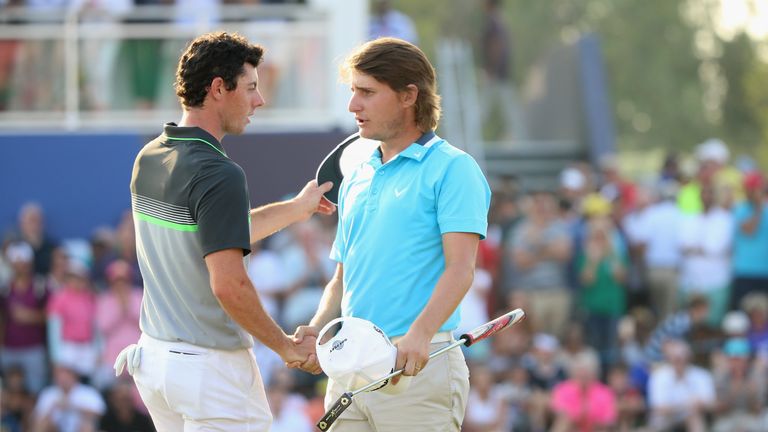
[646, 303]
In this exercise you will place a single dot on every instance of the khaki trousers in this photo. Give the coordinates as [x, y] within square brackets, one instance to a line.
[434, 401]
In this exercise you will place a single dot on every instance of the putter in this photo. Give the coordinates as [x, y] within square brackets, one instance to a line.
[467, 339]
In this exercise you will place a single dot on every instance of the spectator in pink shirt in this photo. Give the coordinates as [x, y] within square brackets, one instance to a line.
[582, 403]
[117, 318]
[71, 318]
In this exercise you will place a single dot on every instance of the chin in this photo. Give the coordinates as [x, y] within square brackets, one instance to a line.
[368, 134]
[235, 130]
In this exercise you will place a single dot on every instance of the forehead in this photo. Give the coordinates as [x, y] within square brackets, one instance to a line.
[250, 73]
[361, 79]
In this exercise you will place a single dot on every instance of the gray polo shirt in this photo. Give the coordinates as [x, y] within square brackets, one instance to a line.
[189, 200]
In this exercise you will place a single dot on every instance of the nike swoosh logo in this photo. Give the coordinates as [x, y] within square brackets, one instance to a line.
[399, 193]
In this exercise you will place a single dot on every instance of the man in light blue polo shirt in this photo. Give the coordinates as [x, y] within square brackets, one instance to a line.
[410, 220]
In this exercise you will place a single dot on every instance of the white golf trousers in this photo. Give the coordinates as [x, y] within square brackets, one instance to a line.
[192, 388]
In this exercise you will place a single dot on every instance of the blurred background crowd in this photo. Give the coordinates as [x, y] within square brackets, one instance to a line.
[642, 265]
[647, 306]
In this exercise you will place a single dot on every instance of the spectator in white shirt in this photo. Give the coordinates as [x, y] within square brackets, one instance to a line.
[680, 394]
[67, 405]
[705, 239]
[656, 233]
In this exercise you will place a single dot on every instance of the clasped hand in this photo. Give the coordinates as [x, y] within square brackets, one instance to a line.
[304, 355]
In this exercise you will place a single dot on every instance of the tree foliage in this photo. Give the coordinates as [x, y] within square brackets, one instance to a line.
[672, 81]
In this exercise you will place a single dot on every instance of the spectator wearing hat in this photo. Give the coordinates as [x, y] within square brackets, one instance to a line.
[750, 241]
[71, 322]
[68, 405]
[117, 318]
[573, 187]
[711, 156]
[735, 324]
[22, 304]
[713, 170]
[740, 390]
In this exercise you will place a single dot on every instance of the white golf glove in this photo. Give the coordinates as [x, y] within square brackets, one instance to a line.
[129, 358]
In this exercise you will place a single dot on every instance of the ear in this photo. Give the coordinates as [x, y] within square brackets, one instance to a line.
[409, 95]
[216, 89]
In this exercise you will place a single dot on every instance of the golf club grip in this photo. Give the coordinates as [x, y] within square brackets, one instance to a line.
[343, 403]
[493, 327]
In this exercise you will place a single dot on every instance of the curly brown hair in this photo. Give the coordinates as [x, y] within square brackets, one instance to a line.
[212, 55]
[398, 64]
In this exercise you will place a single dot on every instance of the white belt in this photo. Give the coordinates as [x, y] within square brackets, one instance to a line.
[440, 337]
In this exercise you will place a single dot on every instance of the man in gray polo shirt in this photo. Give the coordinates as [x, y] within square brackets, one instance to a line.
[193, 364]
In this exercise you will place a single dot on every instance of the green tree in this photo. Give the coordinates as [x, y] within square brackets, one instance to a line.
[665, 92]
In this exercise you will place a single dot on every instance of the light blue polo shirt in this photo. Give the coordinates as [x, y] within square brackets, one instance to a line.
[750, 251]
[391, 221]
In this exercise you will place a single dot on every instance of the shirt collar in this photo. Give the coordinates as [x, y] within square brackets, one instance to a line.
[419, 149]
[192, 133]
[415, 151]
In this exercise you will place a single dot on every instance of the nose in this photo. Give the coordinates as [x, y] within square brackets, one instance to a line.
[258, 100]
[354, 105]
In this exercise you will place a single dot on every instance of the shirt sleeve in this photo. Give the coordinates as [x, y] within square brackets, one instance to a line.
[463, 198]
[219, 204]
[338, 248]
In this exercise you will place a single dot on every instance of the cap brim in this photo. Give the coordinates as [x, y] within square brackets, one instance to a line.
[331, 169]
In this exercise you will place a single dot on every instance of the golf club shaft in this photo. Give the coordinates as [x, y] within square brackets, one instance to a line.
[436, 353]
[467, 339]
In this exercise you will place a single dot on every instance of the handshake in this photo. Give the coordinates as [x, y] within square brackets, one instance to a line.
[301, 353]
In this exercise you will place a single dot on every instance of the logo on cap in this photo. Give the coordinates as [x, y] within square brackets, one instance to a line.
[337, 345]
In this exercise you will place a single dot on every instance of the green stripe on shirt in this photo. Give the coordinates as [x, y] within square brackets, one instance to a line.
[165, 224]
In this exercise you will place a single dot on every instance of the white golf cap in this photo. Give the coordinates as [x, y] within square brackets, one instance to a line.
[572, 178]
[713, 149]
[359, 354]
[19, 252]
